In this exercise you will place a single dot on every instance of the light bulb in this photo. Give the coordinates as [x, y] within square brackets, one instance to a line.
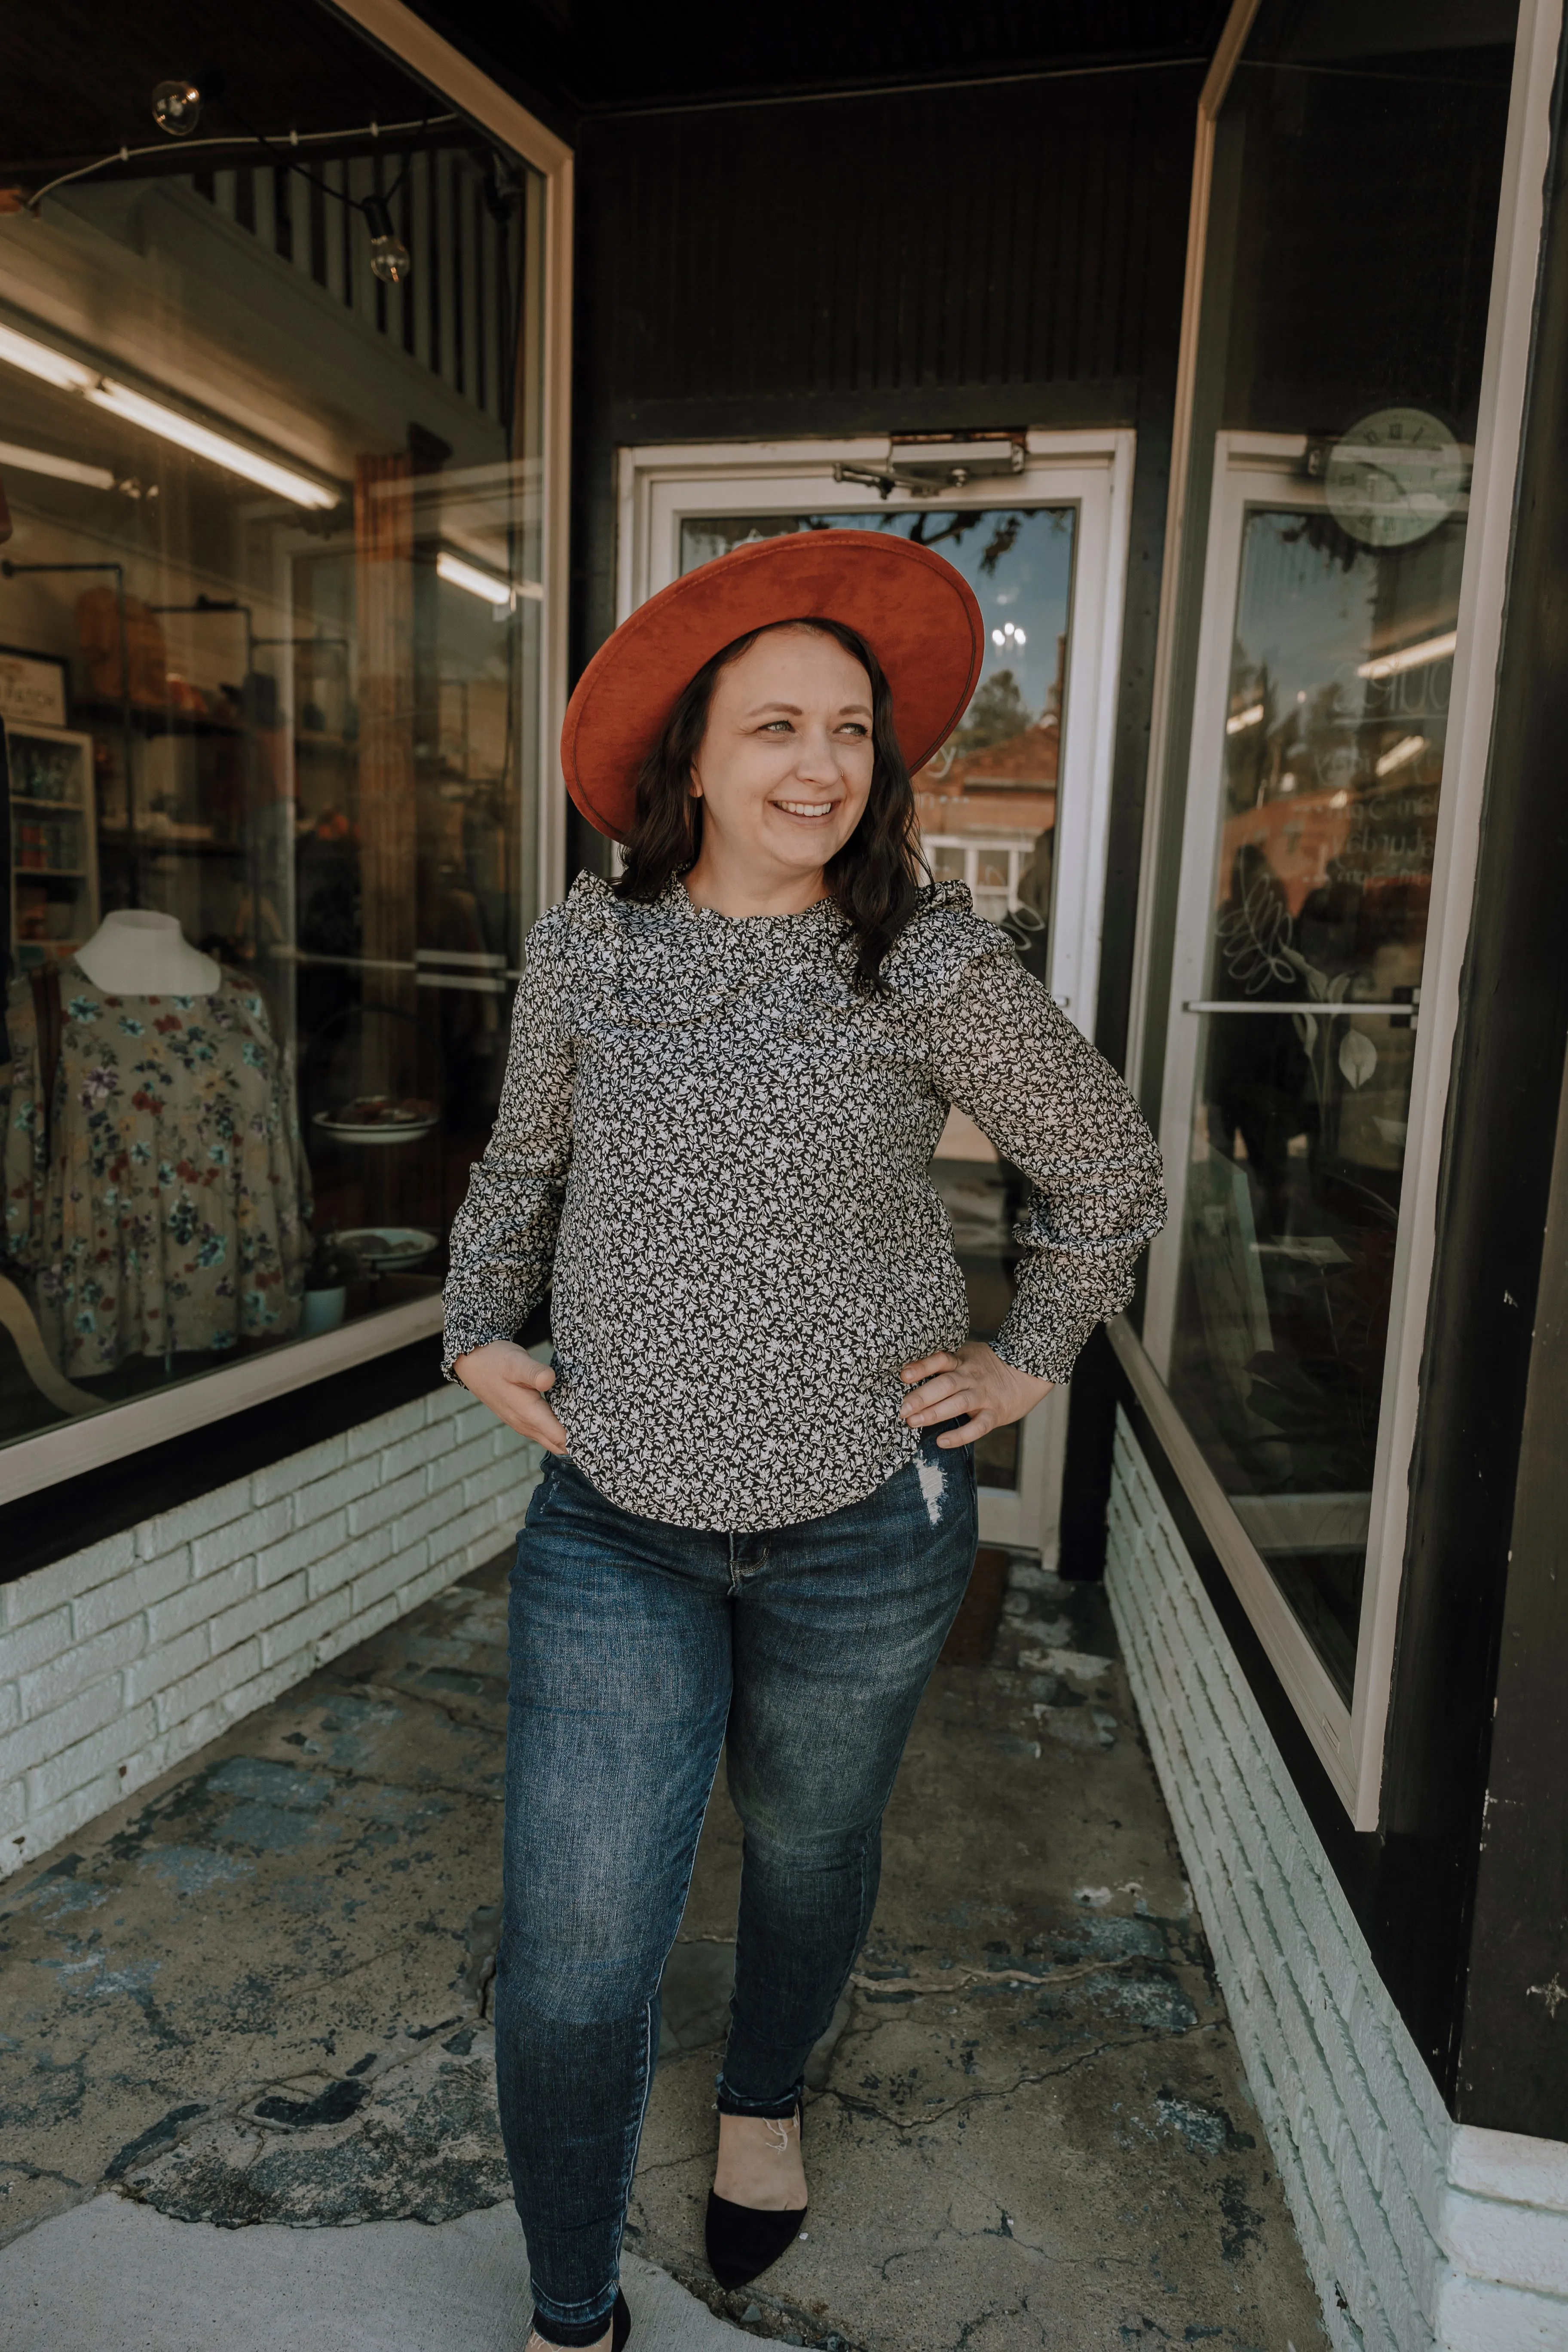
[177, 108]
[389, 257]
[1019, 638]
[997, 638]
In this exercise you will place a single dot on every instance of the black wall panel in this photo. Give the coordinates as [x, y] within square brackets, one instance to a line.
[1002, 256]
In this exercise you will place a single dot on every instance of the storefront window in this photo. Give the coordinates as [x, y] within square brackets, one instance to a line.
[271, 623]
[1354, 207]
[987, 808]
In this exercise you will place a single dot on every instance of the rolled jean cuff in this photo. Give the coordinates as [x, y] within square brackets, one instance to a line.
[730, 2102]
[577, 2330]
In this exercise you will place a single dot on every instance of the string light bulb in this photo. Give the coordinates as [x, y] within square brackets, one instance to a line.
[389, 257]
[177, 108]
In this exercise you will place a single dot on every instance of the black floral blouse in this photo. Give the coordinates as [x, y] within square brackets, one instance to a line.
[718, 1149]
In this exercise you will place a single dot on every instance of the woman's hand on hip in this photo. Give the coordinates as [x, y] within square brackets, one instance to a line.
[974, 1381]
[506, 1378]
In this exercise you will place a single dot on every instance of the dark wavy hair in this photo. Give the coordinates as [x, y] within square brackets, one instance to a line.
[875, 878]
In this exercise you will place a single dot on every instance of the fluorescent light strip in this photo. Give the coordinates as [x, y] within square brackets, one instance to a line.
[50, 366]
[459, 574]
[1410, 747]
[1430, 649]
[202, 442]
[70, 375]
[61, 469]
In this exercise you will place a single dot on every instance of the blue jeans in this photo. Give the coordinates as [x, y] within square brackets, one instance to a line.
[638, 1651]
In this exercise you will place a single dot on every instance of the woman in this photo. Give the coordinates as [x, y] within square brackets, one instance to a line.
[757, 1517]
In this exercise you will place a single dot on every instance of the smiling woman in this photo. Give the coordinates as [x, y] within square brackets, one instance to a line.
[728, 1076]
[785, 767]
[779, 779]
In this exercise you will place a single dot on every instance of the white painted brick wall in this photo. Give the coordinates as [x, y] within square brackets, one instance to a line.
[120, 1660]
[1420, 2236]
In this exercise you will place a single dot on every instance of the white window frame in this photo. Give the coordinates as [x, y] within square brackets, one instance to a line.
[1349, 1742]
[659, 486]
[119, 1430]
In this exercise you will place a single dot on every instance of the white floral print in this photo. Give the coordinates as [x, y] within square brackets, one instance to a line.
[718, 1148]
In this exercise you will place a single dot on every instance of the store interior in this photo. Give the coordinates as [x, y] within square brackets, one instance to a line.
[271, 618]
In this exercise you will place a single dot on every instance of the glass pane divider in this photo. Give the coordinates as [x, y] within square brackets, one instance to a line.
[1304, 1004]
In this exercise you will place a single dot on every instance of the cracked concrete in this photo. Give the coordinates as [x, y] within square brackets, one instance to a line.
[251, 2006]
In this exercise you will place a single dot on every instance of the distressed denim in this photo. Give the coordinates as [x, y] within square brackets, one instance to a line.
[638, 1651]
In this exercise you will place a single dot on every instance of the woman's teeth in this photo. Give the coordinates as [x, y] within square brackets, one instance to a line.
[805, 808]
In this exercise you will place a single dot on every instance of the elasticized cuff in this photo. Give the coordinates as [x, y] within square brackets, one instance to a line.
[1043, 1358]
[457, 1341]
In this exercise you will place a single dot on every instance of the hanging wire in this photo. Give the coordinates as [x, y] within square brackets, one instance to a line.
[354, 203]
[253, 138]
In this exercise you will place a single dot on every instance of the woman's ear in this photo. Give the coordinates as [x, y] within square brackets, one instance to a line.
[695, 787]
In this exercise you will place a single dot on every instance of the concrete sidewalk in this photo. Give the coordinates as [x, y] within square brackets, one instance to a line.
[247, 2083]
[114, 2276]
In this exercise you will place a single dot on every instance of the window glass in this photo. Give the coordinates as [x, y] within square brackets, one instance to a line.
[1332, 770]
[269, 638]
[987, 808]
[1353, 216]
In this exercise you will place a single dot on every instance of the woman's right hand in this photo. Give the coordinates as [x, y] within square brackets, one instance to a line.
[506, 1378]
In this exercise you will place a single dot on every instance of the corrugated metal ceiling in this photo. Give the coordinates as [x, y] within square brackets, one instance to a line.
[604, 56]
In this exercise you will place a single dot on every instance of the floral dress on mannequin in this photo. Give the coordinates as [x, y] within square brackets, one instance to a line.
[158, 1210]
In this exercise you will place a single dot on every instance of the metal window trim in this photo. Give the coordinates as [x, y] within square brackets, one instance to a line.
[412, 42]
[1516, 258]
[88, 1444]
[1325, 1717]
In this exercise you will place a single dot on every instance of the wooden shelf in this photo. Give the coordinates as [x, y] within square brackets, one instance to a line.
[143, 844]
[36, 812]
[156, 720]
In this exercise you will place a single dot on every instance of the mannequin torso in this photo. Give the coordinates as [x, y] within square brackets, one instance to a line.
[142, 954]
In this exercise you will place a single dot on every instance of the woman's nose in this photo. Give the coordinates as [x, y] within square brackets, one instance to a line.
[818, 759]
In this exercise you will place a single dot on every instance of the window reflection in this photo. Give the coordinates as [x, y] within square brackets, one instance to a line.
[288, 710]
[1334, 744]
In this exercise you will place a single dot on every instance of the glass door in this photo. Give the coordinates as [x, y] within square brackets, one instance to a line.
[1317, 772]
[1007, 805]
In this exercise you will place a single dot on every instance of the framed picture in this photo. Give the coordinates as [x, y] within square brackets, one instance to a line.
[33, 686]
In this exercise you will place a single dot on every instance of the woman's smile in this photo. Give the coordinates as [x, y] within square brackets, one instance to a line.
[812, 811]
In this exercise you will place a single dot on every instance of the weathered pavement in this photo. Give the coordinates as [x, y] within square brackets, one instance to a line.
[251, 2006]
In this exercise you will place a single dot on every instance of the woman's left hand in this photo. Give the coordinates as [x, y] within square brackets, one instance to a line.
[975, 1381]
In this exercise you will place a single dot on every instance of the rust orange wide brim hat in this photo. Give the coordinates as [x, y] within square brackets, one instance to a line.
[917, 614]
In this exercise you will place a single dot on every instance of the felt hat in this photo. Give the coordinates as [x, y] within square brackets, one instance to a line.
[917, 614]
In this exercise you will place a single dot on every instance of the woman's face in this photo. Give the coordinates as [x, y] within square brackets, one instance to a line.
[785, 768]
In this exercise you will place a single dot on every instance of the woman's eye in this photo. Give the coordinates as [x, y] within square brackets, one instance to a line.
[772, 726]
[853, 727]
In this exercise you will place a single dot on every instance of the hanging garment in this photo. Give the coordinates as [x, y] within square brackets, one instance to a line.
[157, 1209]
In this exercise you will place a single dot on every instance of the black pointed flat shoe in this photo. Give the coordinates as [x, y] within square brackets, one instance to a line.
[743, 2241]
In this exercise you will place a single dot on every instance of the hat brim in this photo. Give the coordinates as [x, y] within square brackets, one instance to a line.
[917, 612]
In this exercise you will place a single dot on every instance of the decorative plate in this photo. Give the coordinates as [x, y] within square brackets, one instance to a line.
[375, 1119]
[386, 1249]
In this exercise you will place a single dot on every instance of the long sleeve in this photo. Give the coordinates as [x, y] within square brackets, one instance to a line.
[1010, 1057]
[503, 1236]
